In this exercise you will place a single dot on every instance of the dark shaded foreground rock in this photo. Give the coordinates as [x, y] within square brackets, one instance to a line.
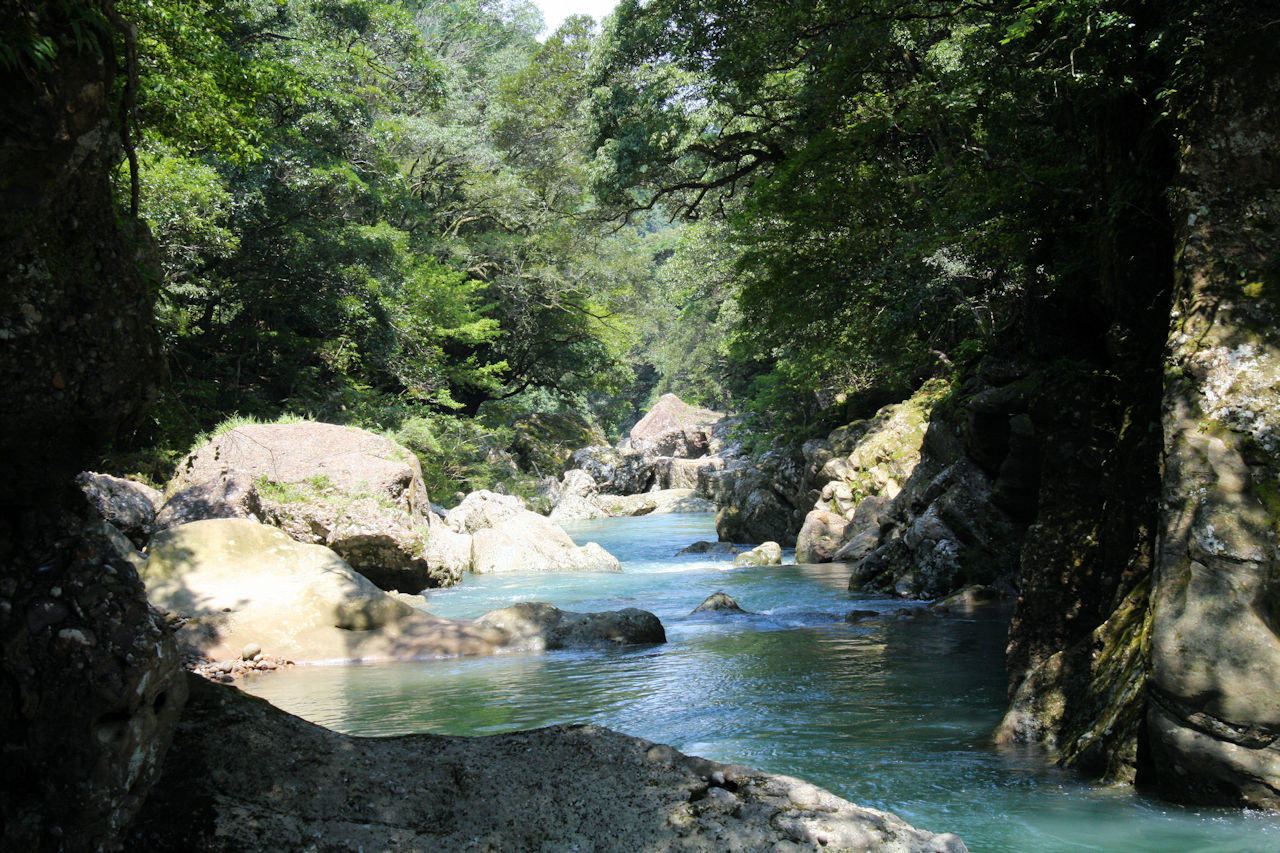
[244, 776]
[91, 683]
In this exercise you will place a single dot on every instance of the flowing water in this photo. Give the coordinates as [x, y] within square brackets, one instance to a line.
[893, 712]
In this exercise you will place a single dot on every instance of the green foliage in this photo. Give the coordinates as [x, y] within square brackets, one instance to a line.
[906, 184]
[456, 454]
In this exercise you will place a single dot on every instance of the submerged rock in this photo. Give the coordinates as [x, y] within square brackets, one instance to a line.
[537, 625]
[705, 547]
[718, 601]
[566, 787]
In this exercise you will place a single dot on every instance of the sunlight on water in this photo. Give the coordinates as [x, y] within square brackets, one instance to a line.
[893, 713]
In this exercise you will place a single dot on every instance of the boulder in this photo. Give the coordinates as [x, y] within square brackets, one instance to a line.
[482, 509]
[544, 442]
[235, 582]
[321, 456]
[580, 787]
[232, 495]
[578, 482]
[128, 506]
[505, 537]
[674, 428]
[386, 547]
[718, 601]
[704, 547]
[576, 508]
[538, 626]
[530, 543]
[448, 552]
[766, 500]
[766, 554]
[617, 471]
[821, 536]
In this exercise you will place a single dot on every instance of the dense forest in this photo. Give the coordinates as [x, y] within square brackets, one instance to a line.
[417, 217]
[409, 214]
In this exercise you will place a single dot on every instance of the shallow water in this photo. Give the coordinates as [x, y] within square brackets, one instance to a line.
[893, 712]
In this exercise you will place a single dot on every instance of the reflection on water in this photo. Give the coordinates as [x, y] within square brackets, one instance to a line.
[893, 713]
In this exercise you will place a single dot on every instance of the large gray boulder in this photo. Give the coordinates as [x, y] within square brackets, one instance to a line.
[581, 787]
[674, 428]
[617, 471]
[345, 460]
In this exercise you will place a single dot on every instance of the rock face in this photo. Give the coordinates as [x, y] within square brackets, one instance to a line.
[674, 428]
[765, 500]
[243, 777]
[89, 682]
[1215, 642]
[93, 687]
[349, 461]
[868, 460]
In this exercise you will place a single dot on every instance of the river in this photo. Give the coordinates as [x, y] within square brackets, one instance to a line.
[894, 712]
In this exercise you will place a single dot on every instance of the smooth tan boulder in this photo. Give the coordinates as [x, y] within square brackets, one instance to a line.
[239, 582]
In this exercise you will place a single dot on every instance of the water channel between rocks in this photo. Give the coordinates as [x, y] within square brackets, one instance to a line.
[894, 713]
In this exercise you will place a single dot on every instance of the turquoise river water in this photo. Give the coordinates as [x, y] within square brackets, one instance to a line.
[894, 713]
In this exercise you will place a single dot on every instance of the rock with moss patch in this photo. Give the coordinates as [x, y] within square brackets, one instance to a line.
[315, 456]
[544, 442]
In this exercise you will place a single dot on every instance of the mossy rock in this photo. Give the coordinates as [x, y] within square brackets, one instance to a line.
[544, 442]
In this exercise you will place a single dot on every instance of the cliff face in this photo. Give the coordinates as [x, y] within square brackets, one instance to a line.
[89, 677]
[79, 356]
[1214, 710]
